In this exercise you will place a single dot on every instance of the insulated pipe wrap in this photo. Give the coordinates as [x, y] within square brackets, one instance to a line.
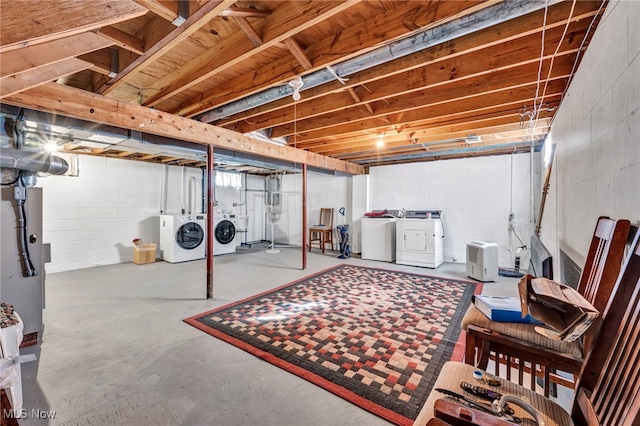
[32, 161]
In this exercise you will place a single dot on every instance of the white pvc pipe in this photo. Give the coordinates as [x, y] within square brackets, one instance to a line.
[183, 182]
[192, 195]
[532, 207]
[163, 190]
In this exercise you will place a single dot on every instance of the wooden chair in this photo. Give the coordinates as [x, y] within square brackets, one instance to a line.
[322, 233]
[521, 347]
[607, 389]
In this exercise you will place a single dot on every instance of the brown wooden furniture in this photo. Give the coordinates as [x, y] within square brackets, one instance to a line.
[520, 346]
[607, 389]
[5, 407]
[437, 422]
[322, 232]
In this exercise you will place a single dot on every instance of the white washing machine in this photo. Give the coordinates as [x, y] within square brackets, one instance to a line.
[182, 237]
[378, 239]
[224, 223]
[419, 239]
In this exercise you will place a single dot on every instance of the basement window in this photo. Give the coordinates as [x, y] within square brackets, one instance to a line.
[233, 180]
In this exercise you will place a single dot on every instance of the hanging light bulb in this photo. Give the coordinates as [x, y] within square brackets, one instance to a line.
[380, 143]
[296, 83]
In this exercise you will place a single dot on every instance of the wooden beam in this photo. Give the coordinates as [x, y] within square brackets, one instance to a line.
[434, 73]
[35, 56]
[281, 24]
[356, 98]
[356, 39]
[100, 59]
[27, 22]
[245, 12]
[99, 151]
[201, 17]
[491, 38]
[165, 9]
[429, 133]
[169, 10]
[148, 157]
[442, 111]
[169, 159]
[488, 133]
[423, 128]
[124, 40]
[245, 26]
[457, 91]
[187, 161]
[93, 107]
[298, 53]
[37, 76]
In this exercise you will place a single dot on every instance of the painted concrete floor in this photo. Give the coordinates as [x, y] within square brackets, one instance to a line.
[116, 351]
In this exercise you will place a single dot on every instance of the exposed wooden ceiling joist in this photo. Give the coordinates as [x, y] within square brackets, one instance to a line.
[27, 22]
[75, 103]
[245, 26]
[477, 49]
[230, 64]
[123, 39]
[35, 56]
[441, 73]
[165, 9]
[274, 29]
[365, 36]
[31, 78]
[193, 23]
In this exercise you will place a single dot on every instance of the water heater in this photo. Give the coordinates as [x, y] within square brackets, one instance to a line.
[482, 261]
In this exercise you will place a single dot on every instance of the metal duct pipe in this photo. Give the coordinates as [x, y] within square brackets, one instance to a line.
[480, 20]
[32, 161]
[373, 161]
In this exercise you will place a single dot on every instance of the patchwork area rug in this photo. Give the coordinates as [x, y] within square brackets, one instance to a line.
[375, 337]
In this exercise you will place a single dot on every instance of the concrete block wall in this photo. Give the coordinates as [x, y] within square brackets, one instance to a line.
[91, 219]
[475, 195]
[597, 132]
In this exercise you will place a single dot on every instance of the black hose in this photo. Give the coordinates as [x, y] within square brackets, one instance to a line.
[27, 265]
[18, 135]
[13, 182]
[29, 269]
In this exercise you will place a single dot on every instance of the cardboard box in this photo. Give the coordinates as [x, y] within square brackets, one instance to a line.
[503, 309]
[144, 253]
[560, 307]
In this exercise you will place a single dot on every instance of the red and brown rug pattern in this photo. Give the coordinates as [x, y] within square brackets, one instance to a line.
[375, 337]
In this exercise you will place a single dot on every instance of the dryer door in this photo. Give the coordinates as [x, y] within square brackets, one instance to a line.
[225, 232]
[189, 236]
[415, 240]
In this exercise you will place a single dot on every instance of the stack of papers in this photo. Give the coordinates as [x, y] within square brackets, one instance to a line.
[503, 309]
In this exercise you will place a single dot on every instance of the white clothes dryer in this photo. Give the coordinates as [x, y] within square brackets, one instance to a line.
[419, 239]
[224, 241]
[182, 237]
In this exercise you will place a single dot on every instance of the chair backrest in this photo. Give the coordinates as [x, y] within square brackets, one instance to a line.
[608, 388]
[604, 260]
[326, 217]
[602, 265]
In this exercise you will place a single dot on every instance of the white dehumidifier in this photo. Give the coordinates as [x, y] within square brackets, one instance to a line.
[482, 261]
